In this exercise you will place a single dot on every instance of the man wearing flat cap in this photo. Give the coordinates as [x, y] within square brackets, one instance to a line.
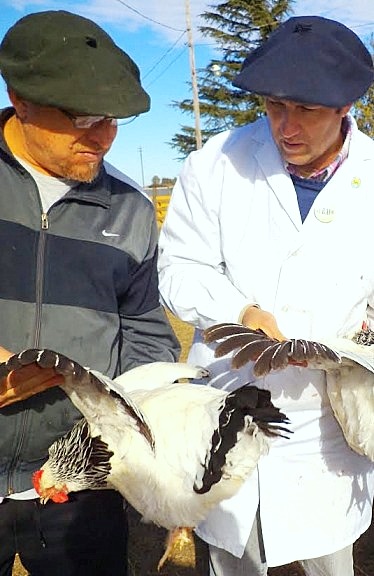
[265, 229]
[78, 274]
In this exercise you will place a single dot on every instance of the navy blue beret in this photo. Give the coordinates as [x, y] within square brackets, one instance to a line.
[309, 59]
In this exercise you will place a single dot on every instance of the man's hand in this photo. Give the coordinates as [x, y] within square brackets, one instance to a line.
[256, 318]
[25, 382]
[4, 354]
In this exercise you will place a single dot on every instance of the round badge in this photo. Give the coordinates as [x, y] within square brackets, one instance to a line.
[324, 214]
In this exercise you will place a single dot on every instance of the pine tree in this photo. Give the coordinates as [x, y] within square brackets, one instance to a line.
[236, 26]
[363, 110]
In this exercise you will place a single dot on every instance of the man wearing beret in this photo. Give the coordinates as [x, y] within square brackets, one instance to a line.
[78, 273]
[266, 227]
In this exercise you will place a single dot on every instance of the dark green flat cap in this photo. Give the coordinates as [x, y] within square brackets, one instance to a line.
[63, 60]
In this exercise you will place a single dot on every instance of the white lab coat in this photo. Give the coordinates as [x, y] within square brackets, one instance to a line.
[233, 235]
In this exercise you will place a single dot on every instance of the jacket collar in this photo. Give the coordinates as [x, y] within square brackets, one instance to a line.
[96, 192]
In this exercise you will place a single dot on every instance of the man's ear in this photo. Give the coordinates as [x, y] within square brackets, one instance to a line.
[18, 103]
[344, 110]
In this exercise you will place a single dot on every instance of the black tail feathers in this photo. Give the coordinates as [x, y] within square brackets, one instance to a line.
[245, 401]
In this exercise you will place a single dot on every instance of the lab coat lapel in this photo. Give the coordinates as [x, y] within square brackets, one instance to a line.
[272, 167]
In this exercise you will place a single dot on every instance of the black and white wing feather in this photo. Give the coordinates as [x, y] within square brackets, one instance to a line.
[95, 395]
[267, 353]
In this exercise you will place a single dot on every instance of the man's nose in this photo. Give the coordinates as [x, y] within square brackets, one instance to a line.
[289, 124]
[103, 132]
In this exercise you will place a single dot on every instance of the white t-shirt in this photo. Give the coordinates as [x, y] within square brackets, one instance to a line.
[51, 189]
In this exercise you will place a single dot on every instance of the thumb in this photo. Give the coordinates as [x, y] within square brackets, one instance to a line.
[256, 319]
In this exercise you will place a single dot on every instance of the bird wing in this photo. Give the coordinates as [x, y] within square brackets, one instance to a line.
[348, 364]
[271, 354]
[94, 394]
[349, 350]
[157, 374]
[128, 405]
[267, 353]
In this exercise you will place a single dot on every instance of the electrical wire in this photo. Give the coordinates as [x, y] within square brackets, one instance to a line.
[164, 55]
[148, 18]
[167, 68]
[183, 32]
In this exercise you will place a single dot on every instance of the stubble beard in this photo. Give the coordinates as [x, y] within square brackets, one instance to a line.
[81, 173]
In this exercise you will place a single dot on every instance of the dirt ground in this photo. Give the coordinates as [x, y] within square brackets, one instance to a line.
[146, 542]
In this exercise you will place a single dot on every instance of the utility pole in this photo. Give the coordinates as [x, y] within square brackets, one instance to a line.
[141, 164]
[195, 93]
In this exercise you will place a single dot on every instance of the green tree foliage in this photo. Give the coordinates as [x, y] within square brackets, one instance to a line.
[363, 110]
[237, 27]
[162, 183]
[156, 181]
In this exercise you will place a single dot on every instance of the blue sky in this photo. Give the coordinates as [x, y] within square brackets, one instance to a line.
[153, 33]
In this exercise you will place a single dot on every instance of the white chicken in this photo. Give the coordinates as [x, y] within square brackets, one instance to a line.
[173, 450]
[348, 363]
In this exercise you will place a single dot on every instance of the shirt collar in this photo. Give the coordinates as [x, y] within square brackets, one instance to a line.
[325, 173]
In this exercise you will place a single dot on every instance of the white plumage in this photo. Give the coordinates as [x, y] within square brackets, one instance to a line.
[173, 450]
[348, 363]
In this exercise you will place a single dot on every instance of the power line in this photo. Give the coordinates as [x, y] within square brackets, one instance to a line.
[167, 68]
[164, 55]
[183, 32]
[148, 18]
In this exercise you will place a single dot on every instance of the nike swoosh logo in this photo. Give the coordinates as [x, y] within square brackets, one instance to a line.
[105, 233]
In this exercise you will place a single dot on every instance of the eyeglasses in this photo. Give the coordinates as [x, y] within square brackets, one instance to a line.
[85, 121]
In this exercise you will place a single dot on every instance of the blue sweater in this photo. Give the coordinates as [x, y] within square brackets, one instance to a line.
[307, 190]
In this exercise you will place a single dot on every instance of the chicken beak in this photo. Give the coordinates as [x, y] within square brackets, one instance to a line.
[57, 494]
[44, 498]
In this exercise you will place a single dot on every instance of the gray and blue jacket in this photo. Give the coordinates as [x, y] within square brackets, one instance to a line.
[81, 280]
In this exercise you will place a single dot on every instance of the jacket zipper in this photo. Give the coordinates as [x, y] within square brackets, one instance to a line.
[38, 323]
[40, 278]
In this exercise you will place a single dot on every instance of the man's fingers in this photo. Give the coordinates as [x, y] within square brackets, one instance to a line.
[256, 318]
[4, 354]
[31, 372]
[274, 332]
[269, 327]
[12, 395]
[25, 382]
